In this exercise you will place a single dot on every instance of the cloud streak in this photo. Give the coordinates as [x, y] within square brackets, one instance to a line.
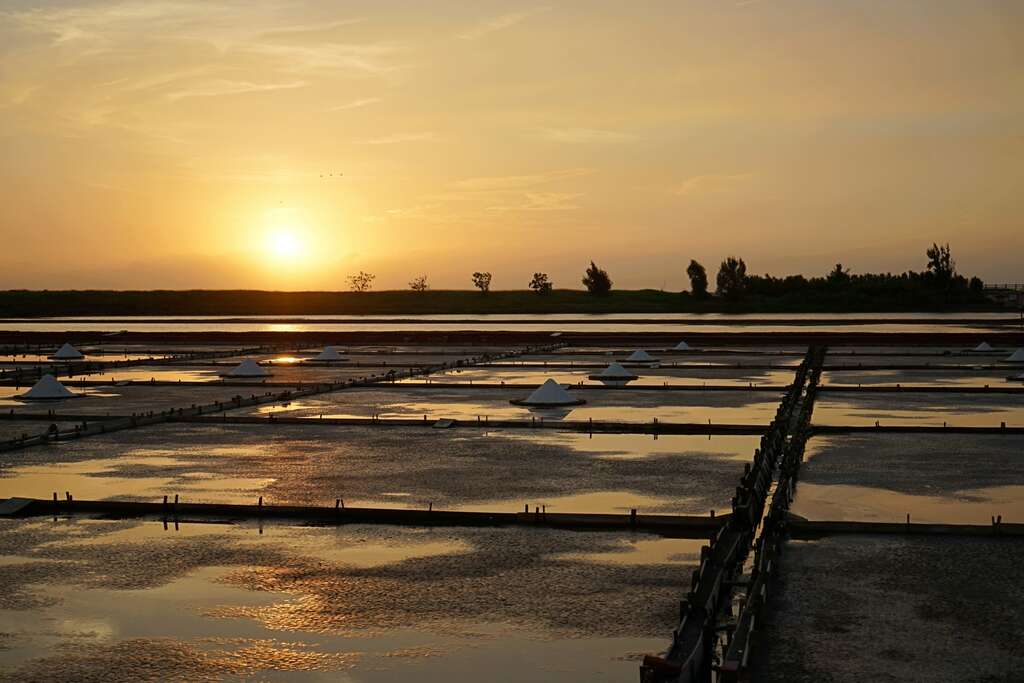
[584, 136]
[709, 183]
[396, 139]
[224, 87]
[500, 23]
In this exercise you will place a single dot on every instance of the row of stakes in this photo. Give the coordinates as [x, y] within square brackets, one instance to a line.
[540, 511]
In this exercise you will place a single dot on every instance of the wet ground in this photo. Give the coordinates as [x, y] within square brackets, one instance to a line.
[931, 409]
[720, 407]
[394, 467]
[126, 601]
[869, 608]
[953, 478]
[645, 376]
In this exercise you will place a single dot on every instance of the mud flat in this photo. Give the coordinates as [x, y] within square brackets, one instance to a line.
[869, 608]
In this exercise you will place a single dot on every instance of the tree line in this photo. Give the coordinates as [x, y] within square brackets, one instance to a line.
[733, 284]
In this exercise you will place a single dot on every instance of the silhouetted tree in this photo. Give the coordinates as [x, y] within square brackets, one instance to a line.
[698, 279]
[976, 285]
[940, 262]
[482, 281]
[732, 278]
[838, 276]
[361, 281]
[597, 281]
[541, 283]
[419, 284]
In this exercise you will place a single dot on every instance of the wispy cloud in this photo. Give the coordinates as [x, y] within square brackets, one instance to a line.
[517, 182]
[542, 201]
[224, 87]
[582, 136]
[500, 22]
[396, 138]
[355, 104]
[370, 58]
[709, 182]
[309, 33]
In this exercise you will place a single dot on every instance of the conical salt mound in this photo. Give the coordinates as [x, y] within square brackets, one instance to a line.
[248, 368]
[983, 346]
[67, 352]
[616, 371]
[47, 388]
[551, 393]
[640, 356]
[1017, 357]
[681, 346]
[329, 353]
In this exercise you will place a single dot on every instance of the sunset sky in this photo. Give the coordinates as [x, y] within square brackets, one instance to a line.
[172, 143]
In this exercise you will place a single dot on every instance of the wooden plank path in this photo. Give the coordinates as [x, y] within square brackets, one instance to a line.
[690, 656]
[671, 526]
[736, 658]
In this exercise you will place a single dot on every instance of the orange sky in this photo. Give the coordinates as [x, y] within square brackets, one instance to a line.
[181, 143]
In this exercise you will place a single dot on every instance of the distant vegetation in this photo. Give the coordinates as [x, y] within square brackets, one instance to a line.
[597, 281]
[939, 287]
[482, 281]
[541, 284]
[419, 284]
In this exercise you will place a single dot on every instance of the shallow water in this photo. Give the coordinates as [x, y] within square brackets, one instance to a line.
[353, 603]
[956, 478]
[390, 467]
[645, 376]
[865, 504]
[720, 407]
[961, 410]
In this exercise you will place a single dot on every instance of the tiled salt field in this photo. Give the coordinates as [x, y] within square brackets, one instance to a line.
[895, 608]
[279, 601]
[931, 409]
[393, 467]
[932, 603]
[645, 376]
[720, 407]
[953, 478]
[125, 400]
[13, 429]
[664, 360]
[962, 376]
[94, 600]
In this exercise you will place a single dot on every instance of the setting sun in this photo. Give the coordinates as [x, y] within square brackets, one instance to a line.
[284, 245]
[285, 235]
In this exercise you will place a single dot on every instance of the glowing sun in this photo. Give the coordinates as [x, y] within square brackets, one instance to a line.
[285, 236]
[284, 244]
